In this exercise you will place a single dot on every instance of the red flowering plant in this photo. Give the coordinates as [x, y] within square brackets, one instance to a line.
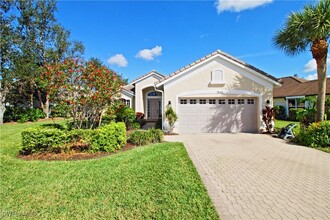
[85, 89]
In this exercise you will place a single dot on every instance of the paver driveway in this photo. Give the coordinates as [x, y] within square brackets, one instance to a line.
[254, 176]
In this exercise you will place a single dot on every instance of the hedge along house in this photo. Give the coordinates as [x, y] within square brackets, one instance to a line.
[293, 89]
[217, 93]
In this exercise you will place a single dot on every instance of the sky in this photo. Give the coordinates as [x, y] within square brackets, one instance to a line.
[136, 37]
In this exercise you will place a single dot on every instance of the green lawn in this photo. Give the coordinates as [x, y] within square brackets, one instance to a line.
[157, 181]
[281, 123]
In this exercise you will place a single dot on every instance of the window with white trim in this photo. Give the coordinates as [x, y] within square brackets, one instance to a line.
[217, 77]
[250, 101]
[231, 101]
[202, 101]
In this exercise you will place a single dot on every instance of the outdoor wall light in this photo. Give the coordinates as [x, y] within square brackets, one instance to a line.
[169, 102]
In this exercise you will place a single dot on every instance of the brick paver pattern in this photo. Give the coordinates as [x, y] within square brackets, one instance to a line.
[254, 176]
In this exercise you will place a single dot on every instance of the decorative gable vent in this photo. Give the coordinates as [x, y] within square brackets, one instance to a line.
[217, 77]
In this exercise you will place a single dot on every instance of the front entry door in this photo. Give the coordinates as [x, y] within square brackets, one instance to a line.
[153, 108]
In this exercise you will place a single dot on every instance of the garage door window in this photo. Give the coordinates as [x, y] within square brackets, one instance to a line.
[250, 101]
[240, 101]
[192, 101]
[183, 101]
[222, 102]
[231, 101]
[202, 101]
[212, 101]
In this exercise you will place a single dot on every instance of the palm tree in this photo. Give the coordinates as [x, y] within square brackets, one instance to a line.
[309, 29]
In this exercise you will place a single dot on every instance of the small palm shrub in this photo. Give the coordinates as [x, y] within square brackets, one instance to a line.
[171, 117]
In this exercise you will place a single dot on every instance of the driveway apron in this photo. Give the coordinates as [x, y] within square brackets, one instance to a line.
[254, 176]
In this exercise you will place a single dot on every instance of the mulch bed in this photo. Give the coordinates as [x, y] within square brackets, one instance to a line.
[73, 155]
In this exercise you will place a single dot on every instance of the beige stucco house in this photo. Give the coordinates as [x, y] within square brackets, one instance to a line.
[217, 93]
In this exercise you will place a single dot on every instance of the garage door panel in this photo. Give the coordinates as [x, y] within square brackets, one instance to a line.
[217, 118]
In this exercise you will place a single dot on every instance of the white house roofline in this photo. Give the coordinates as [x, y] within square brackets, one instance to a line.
[153, 72]
[225, 56]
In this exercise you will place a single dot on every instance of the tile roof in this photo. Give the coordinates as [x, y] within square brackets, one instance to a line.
[149, 73]
[214, 54]
[293, 86]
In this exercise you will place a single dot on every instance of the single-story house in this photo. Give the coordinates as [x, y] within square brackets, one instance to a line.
[217, 93]
[293, 89]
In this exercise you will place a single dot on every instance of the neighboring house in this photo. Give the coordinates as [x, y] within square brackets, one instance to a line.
[293, 89]
[217, 93]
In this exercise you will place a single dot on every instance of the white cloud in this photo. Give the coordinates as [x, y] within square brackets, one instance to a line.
[118, 60]
[239, 5]
[150, 54]
[312, 76]
[311, 65]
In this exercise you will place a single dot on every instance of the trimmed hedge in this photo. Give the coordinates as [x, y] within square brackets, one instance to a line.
[108, 138]
[144, 137]
[315, 135]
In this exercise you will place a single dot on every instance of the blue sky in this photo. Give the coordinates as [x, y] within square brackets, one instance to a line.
[135, 37]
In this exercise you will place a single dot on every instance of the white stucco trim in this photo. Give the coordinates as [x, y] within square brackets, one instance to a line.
[127, 93]
[157, 75]
[254, 75]
[195, 93]
[287, 102]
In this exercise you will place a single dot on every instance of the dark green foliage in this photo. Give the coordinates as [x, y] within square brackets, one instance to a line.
[171, 117]
[108, 138]
[23, 115]
[293, 114]
[315, 135]
[42, 140]
[134, 126]
[144, 137]
[125, 114]
[59, 111]
[306, 116]
[280, 112]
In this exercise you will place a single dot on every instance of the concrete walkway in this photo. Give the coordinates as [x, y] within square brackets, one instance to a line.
[254, 176]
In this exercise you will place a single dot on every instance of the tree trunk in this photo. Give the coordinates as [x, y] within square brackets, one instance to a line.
[320, 51]
[322, 80]
[46, 106]
[2, 112]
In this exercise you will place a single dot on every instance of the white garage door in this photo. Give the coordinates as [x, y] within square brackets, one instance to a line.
[216, 115]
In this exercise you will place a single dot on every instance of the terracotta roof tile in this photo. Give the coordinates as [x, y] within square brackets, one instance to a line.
[294, 86]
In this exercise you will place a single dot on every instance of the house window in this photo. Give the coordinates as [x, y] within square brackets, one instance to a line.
[127, 102]
[212, 101]
[217, 77]
[192, 101]
[154, 93]
[231, 101]
[250, 101]
[222, 101]
[240, 101]
[202, 101]
[183, 101]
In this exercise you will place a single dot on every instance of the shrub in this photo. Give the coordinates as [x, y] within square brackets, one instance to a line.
[23, 115]
[144, 137]
[315, 135]
[293, 114]
[50, 139]
[42, 140]
[306, 116]
[109, 137]
[134, 126]
[125, 114]
[171, 117]
[23, 118]
[280, 112]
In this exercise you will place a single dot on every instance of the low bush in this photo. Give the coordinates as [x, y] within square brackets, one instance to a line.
[293, 114]
[144, 137]
[23, 115]
[315, 135]
[134, 126]
[108, 138]
[280, 112]
[43, 140]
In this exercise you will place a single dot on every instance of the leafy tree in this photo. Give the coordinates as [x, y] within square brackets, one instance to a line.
[85, 89]
[309, 29]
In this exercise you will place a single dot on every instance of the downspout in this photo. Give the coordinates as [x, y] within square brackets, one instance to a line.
[157, 90]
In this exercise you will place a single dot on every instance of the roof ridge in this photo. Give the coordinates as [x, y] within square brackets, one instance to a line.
[144, 75]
